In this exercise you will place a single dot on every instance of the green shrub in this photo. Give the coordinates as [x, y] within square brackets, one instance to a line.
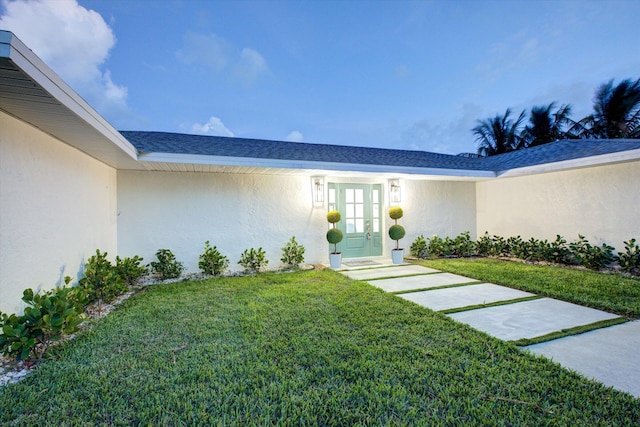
[253, 260]
[131, 270]
[212, 261]
[101, 281]
[592, 257]
[419, 248]
[395, 212]
[630, 258]
[292, 254]
[484, 245]
[463, 246]
[334, 236]
[333, 216]
[167, 267]
[436, 246]
[47, 317]
[396, 232]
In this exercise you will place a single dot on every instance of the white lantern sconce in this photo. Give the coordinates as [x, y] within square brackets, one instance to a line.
[317, 190]
[394, 191]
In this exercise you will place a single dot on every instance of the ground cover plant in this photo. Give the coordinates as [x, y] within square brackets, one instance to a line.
[609, 292]
[307, 348]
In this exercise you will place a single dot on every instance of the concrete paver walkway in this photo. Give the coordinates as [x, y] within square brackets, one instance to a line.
[464, 296]
[610, 355]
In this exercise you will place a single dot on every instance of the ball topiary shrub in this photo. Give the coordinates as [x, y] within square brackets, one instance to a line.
[395, 212]
[333, 217]
[396, 232]
[334, 235]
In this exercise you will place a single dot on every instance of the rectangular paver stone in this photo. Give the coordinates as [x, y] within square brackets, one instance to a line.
[375, 273]
[530, 319]
[463, 296]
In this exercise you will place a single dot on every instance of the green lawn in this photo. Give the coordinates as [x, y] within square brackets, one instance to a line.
[609, 292]
[308, 348]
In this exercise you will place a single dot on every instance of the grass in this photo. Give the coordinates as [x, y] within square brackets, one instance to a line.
[307, 348]
[609, 292]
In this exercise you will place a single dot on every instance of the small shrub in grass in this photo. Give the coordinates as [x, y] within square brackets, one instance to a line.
[436, 246]
[253, 260]
[419, 248]
[292, 253]
[212, 261]
[48, 317]
[167, 266]
[101, 281]
[463, 245]
[131, 270]
[630, 258]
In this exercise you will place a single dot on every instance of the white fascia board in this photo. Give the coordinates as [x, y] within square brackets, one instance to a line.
[600, 160]
[306, 164]
[11, 47]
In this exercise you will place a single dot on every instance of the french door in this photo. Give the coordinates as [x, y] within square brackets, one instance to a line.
[360, 206]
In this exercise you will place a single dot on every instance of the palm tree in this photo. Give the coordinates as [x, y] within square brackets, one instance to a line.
[545, 126]
[499, 134]
[616, 112]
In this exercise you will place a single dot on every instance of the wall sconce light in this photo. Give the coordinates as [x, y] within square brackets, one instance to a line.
[394, 191]
[317, 188]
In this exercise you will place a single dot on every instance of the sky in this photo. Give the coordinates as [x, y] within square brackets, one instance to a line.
[413, 75]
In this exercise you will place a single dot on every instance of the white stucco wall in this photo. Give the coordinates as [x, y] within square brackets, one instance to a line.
[57, 206]
[443, 208]
[601, 203]
[181, 210]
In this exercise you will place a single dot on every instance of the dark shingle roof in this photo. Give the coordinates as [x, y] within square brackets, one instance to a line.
[174, 143]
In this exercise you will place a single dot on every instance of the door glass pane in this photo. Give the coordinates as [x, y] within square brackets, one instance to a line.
[359, 195]
[350, 210]
[332, 195]
[351, 227]
[359, 210]
[376, 225]
[359, 225]
[375, 196]
[349, 194]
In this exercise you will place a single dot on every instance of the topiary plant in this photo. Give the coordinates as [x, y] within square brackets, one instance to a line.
[396, 232]
[334, 235]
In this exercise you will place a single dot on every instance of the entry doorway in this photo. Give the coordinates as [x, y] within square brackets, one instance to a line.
[360, 207]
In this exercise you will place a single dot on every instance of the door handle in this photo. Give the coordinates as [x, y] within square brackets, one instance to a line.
[368, 231]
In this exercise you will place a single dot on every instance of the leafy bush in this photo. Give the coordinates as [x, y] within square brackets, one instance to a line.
[48, 317]
[212, 261]
[630, 258]
[484, 245]
[462, 245]
[293, 254]
[436, 246]
[130, 270]
[167, 267]
[253, 260]
[101, 281]
[419, 248]
[593, 257]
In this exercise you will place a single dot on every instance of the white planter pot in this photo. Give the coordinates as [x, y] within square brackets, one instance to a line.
[397, 255]
[335, 260]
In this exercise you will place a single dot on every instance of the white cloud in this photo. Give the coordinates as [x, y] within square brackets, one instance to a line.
[250, 66]
[73, 41]
[217, 54]
[213, 127]
[295, 136]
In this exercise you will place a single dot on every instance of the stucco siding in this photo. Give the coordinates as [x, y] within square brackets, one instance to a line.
[57, 206]
[601, 203]
[442, 208]
[181, 210]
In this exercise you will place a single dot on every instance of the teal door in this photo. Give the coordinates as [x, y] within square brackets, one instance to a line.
[360, 207]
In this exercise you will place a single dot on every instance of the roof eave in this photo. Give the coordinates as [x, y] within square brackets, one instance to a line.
[107, 144]
[310, 165]
[584, 162]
